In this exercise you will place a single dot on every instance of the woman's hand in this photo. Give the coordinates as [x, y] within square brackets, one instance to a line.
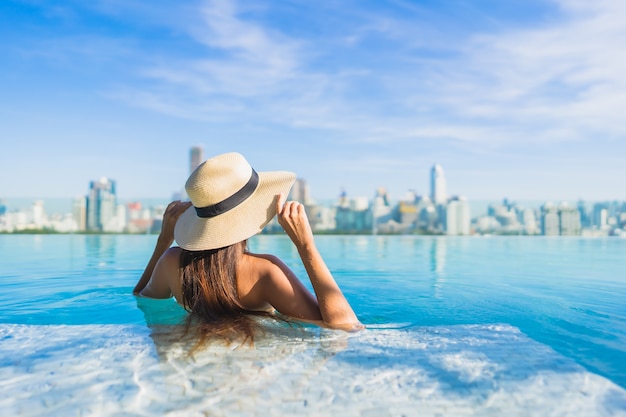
[171, 215]
[334, 309]
[292, 217]
[166, 238]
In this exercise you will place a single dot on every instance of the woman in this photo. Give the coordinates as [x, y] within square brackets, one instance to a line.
[212, 274]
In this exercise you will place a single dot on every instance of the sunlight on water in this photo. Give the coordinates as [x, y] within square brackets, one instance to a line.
[456, 326]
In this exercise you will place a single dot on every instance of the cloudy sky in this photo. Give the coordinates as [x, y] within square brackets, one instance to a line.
[523, 99]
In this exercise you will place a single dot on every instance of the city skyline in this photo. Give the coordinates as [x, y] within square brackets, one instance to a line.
[520, 100]
[433, 213]
[101, 212]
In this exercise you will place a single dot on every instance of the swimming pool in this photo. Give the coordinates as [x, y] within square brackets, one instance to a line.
[456, 326]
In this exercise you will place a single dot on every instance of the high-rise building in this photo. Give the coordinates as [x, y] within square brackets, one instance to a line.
[569, 220]
[101, 204]
[39, 214]
[79, 212]
[3, 208]
[196, 157]
[300, 192]
[437, 185]
[381, 210]
[600, 215]
[585, 218]
[550, 220]
[529, 221]
[458, 217]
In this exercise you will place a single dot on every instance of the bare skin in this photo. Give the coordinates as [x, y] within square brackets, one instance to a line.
[264, 282]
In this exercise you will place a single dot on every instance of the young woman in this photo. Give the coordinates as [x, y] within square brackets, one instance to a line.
[211, 273]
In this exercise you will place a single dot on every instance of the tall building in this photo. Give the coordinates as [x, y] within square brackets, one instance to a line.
[101, 204]
[458, 217]
[600, 215]
[353, 215]
[300, 192]
[381, 210]
[569, 220]
[39, 214]
[529, 221]
[550, 224]
[437, 185]
[3, 208]
[585, 218]
[79, 212]
[196, 157]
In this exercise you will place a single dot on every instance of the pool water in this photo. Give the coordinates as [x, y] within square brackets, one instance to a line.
[455, 326]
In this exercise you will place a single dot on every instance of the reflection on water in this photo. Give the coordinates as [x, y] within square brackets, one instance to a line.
[438, 264]
[101, 250]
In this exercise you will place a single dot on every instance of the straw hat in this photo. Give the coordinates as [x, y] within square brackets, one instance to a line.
[231, 202]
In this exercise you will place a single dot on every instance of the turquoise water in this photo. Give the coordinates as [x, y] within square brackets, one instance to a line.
[457, 325]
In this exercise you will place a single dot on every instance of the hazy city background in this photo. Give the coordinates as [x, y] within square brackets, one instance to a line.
[512, 100]
[100, 211]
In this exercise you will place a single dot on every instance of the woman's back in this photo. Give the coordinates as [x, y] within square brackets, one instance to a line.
[215, 278]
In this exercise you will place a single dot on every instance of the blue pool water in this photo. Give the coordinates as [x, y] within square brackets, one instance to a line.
[456, 326]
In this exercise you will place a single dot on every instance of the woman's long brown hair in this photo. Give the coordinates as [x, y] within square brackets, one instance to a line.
[209, 291]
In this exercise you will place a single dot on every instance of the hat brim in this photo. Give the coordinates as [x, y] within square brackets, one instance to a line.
[240, 223]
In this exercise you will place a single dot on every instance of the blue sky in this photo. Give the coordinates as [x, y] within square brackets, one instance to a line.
[519, 99]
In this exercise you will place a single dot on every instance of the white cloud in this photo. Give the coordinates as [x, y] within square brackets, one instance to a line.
[563, 79]
[566, 77]
[242, 58]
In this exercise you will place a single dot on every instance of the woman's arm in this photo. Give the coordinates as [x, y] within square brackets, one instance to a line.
[164, 241]
[335, 310]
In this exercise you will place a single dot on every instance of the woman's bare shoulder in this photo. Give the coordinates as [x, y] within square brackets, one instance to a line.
[266, 263]
[171, 256]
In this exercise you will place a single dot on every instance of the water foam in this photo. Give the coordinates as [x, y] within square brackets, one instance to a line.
[427, 371]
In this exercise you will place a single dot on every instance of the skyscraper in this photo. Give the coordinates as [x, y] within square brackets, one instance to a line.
[79, 212]
[438, 185]
[101, 204]
[300, 192]
[550, 225]
[569, 218]
[196, 157]
[458, 217]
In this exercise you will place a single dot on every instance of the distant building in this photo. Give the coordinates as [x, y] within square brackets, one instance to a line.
[585, 217]
[382, 216]
[569, 218]
[529, 221]
[3, 208]
[117, 223]
[458, 218]
[138, 219]
[101, 204]
[157, 219]
[40, 219]
[300, 192]
[196, 157]
[353, 215]
[550, 220]
[321, 218]
[563, 220]
[407, 215]
[79, 213]
[602, 213]
[438, 185]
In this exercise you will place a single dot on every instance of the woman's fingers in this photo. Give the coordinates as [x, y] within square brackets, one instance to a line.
[177, 207]
[291, 214]
[292, 211]
[182, 207]
[280, 202]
